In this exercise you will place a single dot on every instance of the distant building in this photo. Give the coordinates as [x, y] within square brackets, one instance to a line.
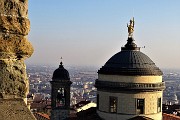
[60, 94]
[129, 85]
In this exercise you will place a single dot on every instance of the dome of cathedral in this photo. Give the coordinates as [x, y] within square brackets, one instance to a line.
[130, 61]
[61, 73]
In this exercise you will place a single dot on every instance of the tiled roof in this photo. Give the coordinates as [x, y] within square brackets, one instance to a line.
[41, 116]
[170, 117]
[89, 114]
[81, 103]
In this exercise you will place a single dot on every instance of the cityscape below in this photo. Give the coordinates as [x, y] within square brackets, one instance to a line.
[129, 86]
[83, 78]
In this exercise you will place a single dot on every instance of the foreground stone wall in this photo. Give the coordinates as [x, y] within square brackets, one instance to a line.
[14, 49]
[14, 109]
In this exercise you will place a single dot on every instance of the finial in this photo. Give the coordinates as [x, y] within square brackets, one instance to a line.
[130, 27]
[61, 63]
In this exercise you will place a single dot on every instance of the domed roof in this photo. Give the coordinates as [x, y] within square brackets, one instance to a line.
[130, 61]
[61, 73]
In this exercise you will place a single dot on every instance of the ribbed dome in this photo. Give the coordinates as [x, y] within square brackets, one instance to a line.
[130, 61]
[61, 73]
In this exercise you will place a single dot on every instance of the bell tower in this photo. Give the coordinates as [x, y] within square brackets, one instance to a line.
[60, 93]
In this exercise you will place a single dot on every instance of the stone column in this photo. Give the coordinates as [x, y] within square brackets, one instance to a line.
[14, 49]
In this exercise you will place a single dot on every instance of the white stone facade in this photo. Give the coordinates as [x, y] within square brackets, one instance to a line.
[130, 79]
[127, 100]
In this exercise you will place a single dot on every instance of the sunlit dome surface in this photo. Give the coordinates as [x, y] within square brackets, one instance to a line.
[130, 61]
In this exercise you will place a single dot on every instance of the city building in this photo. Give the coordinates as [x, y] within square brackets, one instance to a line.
[60, 94]
[129, 85]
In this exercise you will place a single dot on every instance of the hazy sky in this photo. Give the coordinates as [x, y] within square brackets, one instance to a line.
[89, 32]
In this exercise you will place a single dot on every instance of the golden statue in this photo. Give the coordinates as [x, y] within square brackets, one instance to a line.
[130, 27]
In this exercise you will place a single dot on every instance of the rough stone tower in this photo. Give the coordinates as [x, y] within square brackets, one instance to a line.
[14, 49]
[60, 94]
[129, 85]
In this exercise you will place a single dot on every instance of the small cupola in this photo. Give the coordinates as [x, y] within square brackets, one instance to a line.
[61, 73]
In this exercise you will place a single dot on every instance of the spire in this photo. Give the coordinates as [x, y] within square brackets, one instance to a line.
[61, 63]
[130, 45]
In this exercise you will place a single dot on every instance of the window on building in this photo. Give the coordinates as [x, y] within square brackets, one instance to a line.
[159, 105]
[97, 101]
[60, 99]
[113, 104]
[140, 106]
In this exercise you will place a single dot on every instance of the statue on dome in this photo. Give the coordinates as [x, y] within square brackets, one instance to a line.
[130, 27]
